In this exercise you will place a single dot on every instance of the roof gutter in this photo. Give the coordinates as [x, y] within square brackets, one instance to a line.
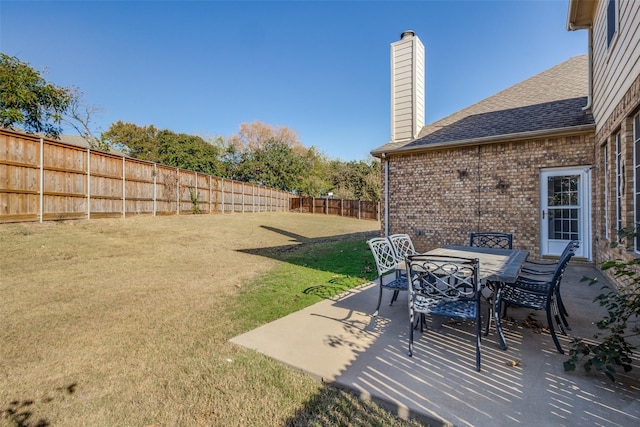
[386, 193]
[590, 70]
[579, 17]
[490, 139]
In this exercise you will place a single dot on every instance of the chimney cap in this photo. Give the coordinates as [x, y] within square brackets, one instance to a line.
[408, 33]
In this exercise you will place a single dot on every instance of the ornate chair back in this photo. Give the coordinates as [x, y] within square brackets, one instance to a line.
[386, 262]
[491, 240]
[402, 246]
[444, 286]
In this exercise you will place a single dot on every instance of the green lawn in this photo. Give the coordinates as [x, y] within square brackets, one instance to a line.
[127, 322]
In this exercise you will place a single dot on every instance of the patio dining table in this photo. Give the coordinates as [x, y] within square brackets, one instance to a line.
[496, 266]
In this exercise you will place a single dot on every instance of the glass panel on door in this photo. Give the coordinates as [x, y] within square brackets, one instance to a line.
[563, 201]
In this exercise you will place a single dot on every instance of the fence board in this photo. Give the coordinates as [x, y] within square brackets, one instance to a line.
[139, 187]
[105, 184]
[64, 180]
[19, 177]
[329, 206]
[84, 183]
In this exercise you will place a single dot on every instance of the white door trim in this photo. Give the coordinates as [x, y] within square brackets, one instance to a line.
[550, 247]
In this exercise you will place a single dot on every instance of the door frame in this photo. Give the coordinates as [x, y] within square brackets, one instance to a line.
[586, 208]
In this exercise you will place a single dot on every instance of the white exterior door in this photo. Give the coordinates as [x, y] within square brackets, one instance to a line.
[565, 210]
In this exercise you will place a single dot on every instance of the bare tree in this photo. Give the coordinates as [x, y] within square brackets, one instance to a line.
[256, 135]
[79, 115]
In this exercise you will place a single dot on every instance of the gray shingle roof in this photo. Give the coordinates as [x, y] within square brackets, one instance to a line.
[551, 100]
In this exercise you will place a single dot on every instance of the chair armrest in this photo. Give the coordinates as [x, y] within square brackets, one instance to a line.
[542, 263]
[532, 279]
[529, 271]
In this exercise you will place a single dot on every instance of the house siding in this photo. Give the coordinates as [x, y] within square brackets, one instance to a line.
[616, 99]
[439, 196]
[612, 65]
[407, 88]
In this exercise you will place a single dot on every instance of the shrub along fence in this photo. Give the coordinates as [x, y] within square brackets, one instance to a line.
[341, 207]
[43, 179]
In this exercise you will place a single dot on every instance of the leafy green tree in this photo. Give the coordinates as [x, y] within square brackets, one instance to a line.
[231, 157]
[316, 181]
[373, 182]
[275, 165]
[140, 142]
[189, 152]
[357, 180]
[166, 147]
[28, 101]
[259, 154]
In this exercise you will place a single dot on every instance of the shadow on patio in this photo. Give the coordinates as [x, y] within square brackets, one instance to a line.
[339, 342]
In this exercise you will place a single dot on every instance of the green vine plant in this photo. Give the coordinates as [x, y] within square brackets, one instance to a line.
[620, 324]
[193, 194]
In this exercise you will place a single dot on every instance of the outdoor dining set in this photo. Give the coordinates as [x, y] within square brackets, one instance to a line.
[453, 281]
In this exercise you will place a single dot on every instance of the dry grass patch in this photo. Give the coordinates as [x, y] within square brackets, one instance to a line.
[122, 322]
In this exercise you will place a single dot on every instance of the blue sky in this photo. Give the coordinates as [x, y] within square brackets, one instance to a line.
[321, 68]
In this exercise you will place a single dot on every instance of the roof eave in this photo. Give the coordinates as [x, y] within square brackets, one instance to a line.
[572, 130]
[580, 14]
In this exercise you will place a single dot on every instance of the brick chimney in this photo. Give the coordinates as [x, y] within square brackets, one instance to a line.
[407, 87]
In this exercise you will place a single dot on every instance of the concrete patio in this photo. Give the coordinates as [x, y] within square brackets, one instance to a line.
[339, 342]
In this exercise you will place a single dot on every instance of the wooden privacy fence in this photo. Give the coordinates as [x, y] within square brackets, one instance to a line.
[341, 207]
[42, 179]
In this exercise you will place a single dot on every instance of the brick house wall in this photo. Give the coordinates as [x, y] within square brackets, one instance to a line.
[439, 196]
[621, 120]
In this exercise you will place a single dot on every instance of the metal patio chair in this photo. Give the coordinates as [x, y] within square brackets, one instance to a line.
[386, 263]
[495, 240]
[443, 285]
[537, 268]
[402, 247]
[535, 293]
[491, 240]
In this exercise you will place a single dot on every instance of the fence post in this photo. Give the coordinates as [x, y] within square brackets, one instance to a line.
[326, 205]
[358, 209]
[178, 201]
[124, 188]
[378, 211]
[222, 195]
[196, 190]
[41, 208]
[233, 196]
[88, 183]
[210, 195]
[243, 200]
[341, 207]
[155, 189]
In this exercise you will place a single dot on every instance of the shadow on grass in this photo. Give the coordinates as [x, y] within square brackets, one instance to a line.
[22, 413]
[333, 406]
[348, 261]
[325, 254]
[299, 241]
